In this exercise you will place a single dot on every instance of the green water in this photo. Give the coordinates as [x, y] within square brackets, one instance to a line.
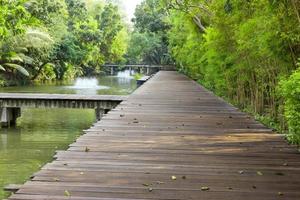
[40, 132]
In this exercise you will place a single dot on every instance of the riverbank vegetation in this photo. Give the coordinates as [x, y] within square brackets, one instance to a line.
[245, 51]
[58, 39]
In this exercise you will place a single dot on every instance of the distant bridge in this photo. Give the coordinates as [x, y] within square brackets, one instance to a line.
[143, 69]
[11, 103]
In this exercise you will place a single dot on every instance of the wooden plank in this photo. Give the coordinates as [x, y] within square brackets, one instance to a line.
[74, 97]
[171, 126]
[12, 188]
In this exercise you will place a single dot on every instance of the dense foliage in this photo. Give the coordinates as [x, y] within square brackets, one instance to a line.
[239, 49]
[246, 51]
[290, 90]
[58, 39]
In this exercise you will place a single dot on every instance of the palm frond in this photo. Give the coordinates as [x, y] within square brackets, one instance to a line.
[35, 33]
[26, 59]
[2, 68]
[15, 58]
[21, 69]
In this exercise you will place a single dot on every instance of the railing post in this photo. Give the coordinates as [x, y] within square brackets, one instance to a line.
[112, 71]
[99, 113]
[9, 116]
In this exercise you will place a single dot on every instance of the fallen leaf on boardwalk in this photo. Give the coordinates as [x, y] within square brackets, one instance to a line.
[204, 188]
[280, 193]
[87, 149]
[279, 174]
[65, 164]
[56, 179]
[146, 184]
[122, 115]
[173, 177]
[254, 187]
[241, 172]
[183, 177]
[150, 189]
[229, 188]
[259, 173]
[81, 173]
[67, 193]
[285, 164]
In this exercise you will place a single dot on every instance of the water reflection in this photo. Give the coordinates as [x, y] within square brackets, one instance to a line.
[120, 84]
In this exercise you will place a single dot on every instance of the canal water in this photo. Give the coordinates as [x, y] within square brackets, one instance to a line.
[40, 132]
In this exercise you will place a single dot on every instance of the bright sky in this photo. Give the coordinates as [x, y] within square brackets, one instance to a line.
[130, 7]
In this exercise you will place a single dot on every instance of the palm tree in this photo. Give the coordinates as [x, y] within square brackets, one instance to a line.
[14, 51]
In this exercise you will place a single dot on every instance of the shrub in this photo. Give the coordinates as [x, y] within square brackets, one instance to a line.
[289, 89]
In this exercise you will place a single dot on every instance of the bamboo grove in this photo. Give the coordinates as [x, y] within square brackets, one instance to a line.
[245, 51]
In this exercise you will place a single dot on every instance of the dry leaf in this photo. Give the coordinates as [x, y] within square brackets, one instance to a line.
[259, 173]
[279, 174]
[67, 193]
[280, 193]
[56, 179]
[204, 188]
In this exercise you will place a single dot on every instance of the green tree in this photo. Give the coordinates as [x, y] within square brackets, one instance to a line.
[149, 35]
[13, 21]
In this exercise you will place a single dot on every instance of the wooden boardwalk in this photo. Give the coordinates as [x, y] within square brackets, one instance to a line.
[171, 139]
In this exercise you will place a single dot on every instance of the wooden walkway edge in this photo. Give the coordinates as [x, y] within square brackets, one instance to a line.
[171, 139]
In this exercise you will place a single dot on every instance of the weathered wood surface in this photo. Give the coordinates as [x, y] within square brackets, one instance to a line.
[59, 100]
[171, 126]
[12, 187]
[142, 80]
[4, 96]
